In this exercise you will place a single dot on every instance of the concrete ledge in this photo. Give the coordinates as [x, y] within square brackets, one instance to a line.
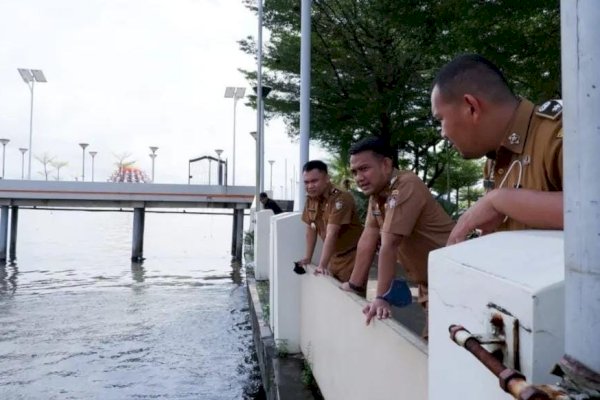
[281, 376]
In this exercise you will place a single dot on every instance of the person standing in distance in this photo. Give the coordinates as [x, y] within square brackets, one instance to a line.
[481, 116]
[269, 204]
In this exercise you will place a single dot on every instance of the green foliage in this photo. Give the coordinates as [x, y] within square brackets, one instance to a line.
[373, 63]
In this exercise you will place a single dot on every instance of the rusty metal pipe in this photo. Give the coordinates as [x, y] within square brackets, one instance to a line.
[463, 338]
[511, 381]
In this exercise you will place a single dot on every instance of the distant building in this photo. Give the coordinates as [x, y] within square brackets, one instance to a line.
[129, 174]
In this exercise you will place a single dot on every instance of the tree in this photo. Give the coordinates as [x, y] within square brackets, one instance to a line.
[46, 160]
[58, 165]
[373, 63]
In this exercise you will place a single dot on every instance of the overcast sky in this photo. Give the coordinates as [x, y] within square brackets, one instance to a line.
[124, 75]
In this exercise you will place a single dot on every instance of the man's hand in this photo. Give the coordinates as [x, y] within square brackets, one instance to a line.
[322, 270]
[482, 216]
[378, 308]
[305, 261]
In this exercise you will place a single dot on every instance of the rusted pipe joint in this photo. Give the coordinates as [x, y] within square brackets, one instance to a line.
[459, 334]
[533, 393]
[506, 376]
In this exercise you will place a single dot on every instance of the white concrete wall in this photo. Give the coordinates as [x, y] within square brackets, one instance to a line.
[287, 239]
[351, 360]
[262, 252]
[521, 272]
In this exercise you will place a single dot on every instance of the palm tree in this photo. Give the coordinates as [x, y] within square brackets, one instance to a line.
[58, 165]
[46, 160]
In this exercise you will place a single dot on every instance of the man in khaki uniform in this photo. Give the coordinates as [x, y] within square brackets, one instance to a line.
[403, 215]
[481, 116]
[330, 213]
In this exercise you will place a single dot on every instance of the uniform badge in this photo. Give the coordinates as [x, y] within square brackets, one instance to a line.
[514, 138]
[551, 109]
[338, 205]
[392, 202]
[395, 192]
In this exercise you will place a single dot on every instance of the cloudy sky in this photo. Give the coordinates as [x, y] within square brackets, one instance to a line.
[124, 75]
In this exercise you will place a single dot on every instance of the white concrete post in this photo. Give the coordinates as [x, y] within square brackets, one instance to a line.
[305, 32]
[262, 240]
[580, 38]
[287, 239]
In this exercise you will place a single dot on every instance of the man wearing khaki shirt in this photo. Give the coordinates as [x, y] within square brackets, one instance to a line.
[403, 215]
[481, 115]
[330, 213]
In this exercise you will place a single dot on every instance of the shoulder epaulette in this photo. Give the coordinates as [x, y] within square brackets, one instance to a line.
[552, 109]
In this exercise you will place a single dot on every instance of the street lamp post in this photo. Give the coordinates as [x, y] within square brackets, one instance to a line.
[93, 154]
[30, 76]
[83, 146]
[219, 169]
[23, 150]
[271, 185]
[234, 93]
[153, 156]
[257, 187]
[264, 90]
[4, 143]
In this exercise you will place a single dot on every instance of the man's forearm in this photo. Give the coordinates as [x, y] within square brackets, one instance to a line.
[311, 240]
[386, 268]
[328, 248]
[364, 258]
[537, 209]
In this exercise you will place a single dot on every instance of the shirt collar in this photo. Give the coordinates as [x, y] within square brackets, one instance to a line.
[516, 134]
[385, 193]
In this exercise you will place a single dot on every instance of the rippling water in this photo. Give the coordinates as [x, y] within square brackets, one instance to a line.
[78, 320]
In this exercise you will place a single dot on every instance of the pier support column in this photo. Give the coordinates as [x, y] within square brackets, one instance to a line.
[137, 247]
[233, 232]
[239, 233]
[14, 223]
[3, 232]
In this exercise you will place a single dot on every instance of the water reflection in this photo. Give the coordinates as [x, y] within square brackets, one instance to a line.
[8, 278]
[138, 272]
[88, 323]
[236, 272]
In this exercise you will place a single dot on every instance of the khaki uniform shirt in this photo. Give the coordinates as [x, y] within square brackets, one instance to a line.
[530, 156]
[407, 208]
[334, 207]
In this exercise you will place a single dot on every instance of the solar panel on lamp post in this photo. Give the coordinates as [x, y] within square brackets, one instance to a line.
[30, 76]
[234, 93]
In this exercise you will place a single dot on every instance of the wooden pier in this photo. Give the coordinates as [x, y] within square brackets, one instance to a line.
[136, 196]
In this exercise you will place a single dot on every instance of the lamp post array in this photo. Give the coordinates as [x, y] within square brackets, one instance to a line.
[93, 154]
[23, 150]
[271, 180]
[219, 168]
[4, 143]
[30, 76]
[234, 93]
[83, 146]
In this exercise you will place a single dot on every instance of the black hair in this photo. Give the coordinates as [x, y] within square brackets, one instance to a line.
[375, 144]
[263, 195]
[315, 164]
[474, 74]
